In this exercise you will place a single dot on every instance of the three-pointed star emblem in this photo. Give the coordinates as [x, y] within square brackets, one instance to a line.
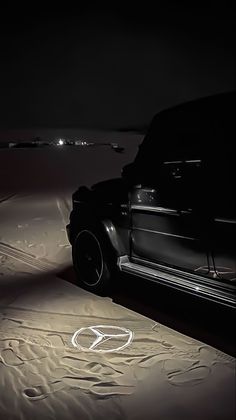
[100, 334]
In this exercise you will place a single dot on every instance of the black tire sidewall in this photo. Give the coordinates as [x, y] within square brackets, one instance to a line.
[104, 283]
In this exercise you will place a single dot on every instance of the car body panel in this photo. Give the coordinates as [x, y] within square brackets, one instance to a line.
[172, 213]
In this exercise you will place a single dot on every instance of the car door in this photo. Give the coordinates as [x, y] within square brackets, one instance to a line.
[165, 229]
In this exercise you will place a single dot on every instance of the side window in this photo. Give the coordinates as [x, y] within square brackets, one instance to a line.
[181, 182]
[223, 187]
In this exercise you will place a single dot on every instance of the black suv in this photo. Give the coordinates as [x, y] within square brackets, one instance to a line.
[171, 216]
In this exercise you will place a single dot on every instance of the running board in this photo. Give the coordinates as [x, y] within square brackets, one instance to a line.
[176, 282]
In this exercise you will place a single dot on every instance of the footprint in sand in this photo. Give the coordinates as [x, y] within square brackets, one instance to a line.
[185, 371]
[35, 393]
[18, 351]
[40, 392]
[190, 377]
[109, 390]
[9, 358]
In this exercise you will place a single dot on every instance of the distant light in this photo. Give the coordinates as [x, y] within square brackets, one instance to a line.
[197, 288]
[60, 142]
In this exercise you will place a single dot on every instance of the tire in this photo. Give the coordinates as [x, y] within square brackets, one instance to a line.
[93, 261]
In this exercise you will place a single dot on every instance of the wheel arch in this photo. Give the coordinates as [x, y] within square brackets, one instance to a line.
[85, 216]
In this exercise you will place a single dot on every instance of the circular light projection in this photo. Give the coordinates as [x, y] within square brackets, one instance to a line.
[102, 338]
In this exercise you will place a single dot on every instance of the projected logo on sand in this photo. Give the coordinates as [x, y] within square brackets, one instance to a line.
[102, 338]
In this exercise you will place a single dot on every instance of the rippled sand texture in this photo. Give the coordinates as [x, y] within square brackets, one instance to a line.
[160, 375]
[42, 374]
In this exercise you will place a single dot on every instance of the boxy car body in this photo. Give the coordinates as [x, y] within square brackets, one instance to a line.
[171, 216]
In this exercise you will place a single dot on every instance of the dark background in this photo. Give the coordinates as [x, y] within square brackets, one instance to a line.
[113, 67]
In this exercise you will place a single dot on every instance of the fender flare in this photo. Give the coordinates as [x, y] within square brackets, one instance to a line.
[113, 237]
[106, 225]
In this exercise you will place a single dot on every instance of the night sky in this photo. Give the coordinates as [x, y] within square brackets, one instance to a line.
[112, 68]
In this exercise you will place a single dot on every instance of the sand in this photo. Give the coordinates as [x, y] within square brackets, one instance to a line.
[161, 374]
[44, 374]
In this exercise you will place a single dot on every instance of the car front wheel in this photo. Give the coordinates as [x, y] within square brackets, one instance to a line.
[92, 260]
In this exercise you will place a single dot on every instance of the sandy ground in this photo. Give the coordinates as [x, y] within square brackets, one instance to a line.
[144, 370]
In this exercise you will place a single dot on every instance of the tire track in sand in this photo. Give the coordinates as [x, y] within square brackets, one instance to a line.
[25, 258]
